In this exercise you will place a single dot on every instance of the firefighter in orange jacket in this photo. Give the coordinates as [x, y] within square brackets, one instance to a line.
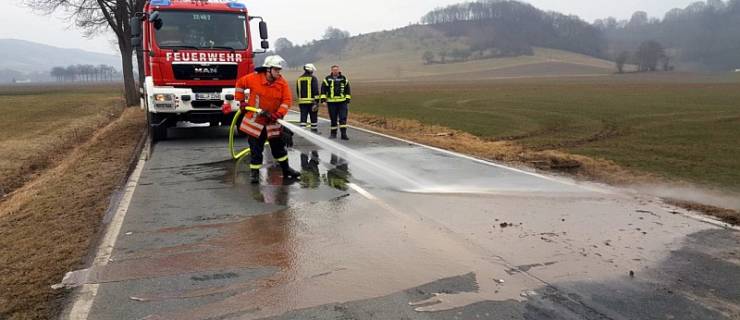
[269, 92]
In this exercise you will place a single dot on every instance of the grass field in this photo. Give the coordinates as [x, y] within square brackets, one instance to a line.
[64, 151]
[39, 123]
[406, 64]
[680, 127]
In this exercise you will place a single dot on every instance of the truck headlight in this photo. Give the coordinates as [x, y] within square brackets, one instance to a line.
[163, 97]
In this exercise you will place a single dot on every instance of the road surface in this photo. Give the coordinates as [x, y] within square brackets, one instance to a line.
[386, 229]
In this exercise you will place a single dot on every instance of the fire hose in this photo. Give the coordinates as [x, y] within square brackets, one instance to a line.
[232, 131]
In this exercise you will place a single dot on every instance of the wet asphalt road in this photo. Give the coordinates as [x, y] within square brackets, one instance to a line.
[399, 231]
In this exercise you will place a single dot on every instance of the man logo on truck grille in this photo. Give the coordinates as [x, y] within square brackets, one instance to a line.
[204, 70]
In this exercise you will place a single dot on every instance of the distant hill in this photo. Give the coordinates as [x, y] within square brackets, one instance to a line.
[483, 40]
[26, 57]
[398, 55]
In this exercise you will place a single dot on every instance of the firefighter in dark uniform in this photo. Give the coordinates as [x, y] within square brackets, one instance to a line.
[335, 91]
[307, 89]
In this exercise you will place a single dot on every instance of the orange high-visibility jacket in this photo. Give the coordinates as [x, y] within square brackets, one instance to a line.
[272, 97]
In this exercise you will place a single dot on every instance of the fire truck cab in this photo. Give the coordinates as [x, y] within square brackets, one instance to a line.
[193, 53]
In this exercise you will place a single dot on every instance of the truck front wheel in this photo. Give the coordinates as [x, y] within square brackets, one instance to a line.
[157, 128]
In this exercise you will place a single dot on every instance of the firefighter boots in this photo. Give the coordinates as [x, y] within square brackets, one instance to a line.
[255, 179]
[333, 134]
[288, 172]
[344, 134]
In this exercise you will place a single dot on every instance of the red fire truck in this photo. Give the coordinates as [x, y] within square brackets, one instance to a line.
[194, 50]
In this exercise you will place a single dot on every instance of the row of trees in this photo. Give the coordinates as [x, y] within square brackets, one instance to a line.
[704, 34]
[513, 27]
[87, 73]
[650, 56]
[458, 55]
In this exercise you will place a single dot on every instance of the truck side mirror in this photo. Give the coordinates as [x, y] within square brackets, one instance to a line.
[135, 24]
[265, 44]
[155, 20]
[263, 30]
[154, 16]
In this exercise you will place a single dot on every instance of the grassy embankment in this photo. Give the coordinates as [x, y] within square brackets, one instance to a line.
[39, 123]
[65, 149]
[678, 128]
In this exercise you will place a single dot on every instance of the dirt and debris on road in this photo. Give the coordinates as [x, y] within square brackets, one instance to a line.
[48, 225]
[727, 215]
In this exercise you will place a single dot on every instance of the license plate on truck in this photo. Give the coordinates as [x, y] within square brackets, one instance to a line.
[208, 96]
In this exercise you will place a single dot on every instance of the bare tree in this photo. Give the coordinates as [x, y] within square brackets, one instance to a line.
[94, 16]
[428, 57]
[666, 63]
[282, 44]
[639, 18]
[58, 73]
[649, 54]
[621, 60]
[332, 33]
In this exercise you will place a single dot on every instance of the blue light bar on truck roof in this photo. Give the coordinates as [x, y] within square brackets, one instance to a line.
[237, 5]
[160, 2]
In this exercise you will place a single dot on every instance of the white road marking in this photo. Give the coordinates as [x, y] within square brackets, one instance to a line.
[85, 295]
[362, 191]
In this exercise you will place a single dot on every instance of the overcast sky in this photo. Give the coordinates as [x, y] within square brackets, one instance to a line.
[302, 21]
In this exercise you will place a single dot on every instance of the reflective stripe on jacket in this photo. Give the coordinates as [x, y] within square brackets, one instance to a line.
[335, 89]
[307, 89]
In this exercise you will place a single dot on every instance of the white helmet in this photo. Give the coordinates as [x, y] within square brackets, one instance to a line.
[273, 62]
[309, 67]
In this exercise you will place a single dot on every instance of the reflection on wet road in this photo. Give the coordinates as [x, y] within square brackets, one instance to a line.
[471, 241]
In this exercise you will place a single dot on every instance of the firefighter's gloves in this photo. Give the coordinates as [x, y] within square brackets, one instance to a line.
[315, 107]
[348, 101]
[226, 108]
[272, 116]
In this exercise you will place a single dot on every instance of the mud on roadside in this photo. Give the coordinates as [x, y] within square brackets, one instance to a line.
[48, 225]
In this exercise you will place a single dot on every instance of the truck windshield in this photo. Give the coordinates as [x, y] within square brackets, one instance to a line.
[201, 30]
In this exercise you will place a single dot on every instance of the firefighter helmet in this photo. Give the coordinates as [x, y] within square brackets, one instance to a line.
[274, 61]
[309, 67]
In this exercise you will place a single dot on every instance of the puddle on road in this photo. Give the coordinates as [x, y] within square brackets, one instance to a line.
[321, 180]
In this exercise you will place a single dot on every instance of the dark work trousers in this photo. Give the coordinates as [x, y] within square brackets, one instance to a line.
[257, 147]
[338, 115]
[305, 113]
